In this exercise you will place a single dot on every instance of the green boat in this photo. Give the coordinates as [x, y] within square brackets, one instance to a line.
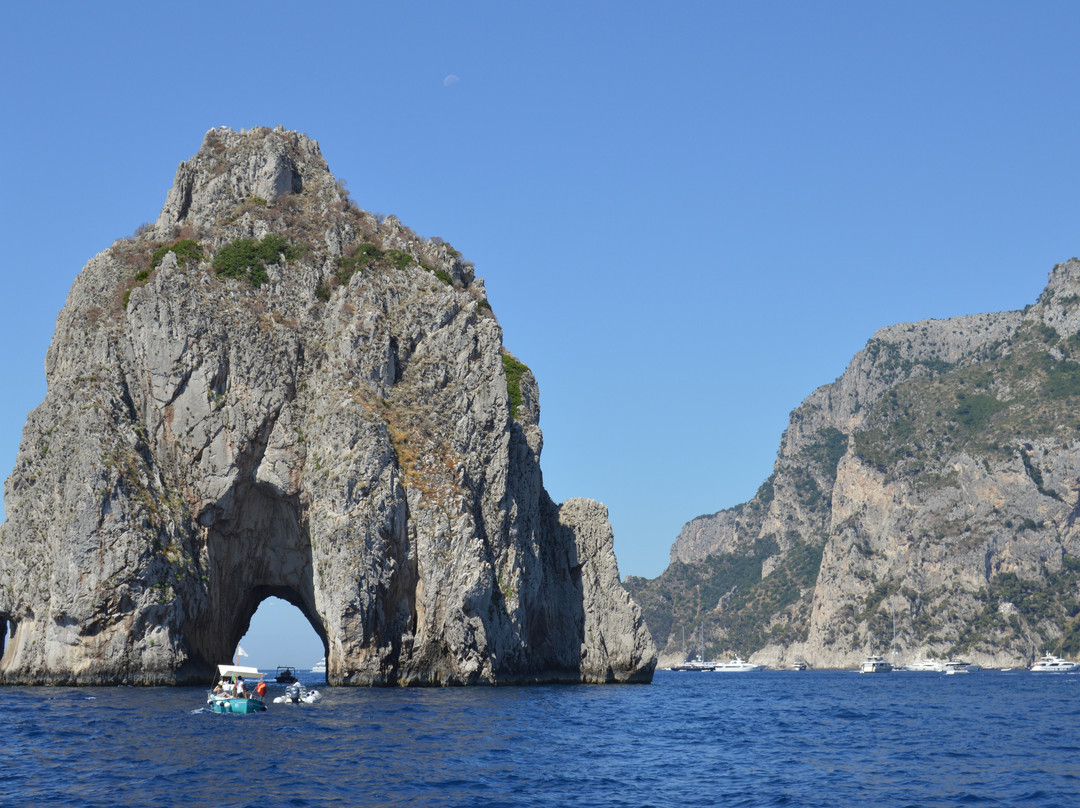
[224, 698]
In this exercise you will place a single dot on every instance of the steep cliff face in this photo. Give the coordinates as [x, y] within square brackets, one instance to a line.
[271, 392]
[924, 503]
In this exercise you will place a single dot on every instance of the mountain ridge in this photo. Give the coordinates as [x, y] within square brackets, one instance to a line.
[934, 484]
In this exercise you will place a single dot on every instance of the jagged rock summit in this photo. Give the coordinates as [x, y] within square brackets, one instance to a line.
[269, 392]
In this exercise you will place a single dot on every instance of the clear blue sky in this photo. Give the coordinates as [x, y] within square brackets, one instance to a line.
[688, 215]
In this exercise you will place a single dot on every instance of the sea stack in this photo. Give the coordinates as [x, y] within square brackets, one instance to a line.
[269, 392]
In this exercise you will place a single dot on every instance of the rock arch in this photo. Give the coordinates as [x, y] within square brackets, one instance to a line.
[343, 441]
[256, 598]
[256, 548]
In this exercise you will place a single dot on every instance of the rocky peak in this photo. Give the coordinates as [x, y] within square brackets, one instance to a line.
[1064, 278]
[272, 392]
[234, 168]
[1058, 306]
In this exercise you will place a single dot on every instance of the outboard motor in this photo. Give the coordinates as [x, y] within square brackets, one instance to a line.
[292, 692]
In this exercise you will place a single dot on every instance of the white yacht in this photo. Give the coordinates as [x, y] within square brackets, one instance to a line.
[926, 665]
[320, 666]
[1052, 664]
[737, 665]
[875, 664]
[959, 666]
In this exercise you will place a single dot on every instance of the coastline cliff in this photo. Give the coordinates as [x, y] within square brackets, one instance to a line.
[923, 504]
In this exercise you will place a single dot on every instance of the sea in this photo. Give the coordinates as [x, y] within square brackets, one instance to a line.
[770, 738]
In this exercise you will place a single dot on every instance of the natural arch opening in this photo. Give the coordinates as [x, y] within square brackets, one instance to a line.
[257, 548]
[281, 634]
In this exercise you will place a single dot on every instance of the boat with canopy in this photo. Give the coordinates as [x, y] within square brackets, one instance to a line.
[232, 693]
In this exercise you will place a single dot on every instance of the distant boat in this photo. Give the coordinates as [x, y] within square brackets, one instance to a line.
[285, 675]
[799, 665]
[926, 666]
[875, 664]
[1052, 664]
[737, 665]
[699, 664]
[320, 666]
[959, 666]
[696, 665]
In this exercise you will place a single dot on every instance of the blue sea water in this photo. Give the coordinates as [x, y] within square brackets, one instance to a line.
[813, 738]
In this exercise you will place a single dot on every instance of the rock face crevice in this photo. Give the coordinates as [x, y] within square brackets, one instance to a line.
[330, 425]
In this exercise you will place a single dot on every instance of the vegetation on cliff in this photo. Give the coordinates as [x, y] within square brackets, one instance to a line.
[1013, 393]
[247, 258]
[741, 610]
[514, 370]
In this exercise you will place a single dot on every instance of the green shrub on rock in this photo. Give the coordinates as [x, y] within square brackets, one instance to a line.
[367, 254]
[514, 371]
[247, 258]
[186, 250]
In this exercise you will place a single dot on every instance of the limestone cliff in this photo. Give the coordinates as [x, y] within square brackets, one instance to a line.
[269, 392]
[924, 503]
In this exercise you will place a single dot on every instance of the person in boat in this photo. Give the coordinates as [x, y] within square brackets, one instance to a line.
[241, 693]
[260, 690]
[219, 688]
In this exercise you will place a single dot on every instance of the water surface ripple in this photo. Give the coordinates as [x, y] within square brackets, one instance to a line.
[809, 739]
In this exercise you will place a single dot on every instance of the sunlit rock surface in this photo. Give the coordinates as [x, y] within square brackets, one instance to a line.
[330, 424]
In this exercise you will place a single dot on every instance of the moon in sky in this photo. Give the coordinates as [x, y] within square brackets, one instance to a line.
[450, 80]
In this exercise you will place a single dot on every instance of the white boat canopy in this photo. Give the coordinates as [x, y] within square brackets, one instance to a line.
[232, 671]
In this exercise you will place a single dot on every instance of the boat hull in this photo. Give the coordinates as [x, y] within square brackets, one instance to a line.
[308, 698]
[925, 667]
[242, 706]
[1055, 668]
[693, 666]
[747, 668]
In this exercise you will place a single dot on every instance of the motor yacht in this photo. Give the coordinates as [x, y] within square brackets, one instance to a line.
[875, 664]
[1053, 664]
[960, 666]
[737, 665]
[926, 666]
